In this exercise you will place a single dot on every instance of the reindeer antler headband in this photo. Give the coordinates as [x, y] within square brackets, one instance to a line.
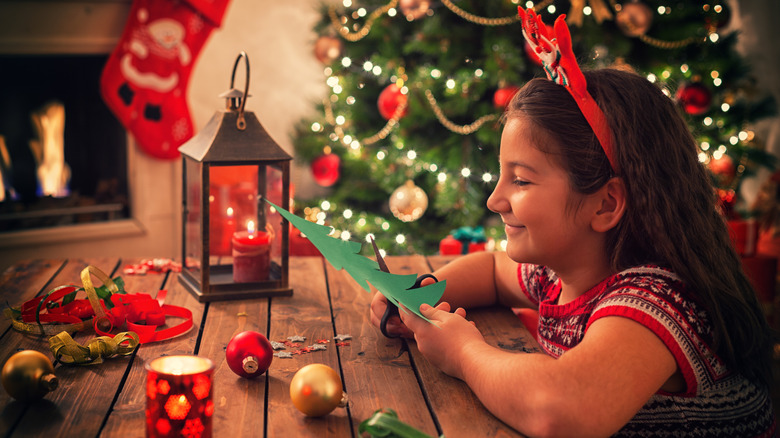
[561, 67]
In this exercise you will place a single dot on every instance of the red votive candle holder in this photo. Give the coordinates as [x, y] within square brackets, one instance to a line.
[251, 255]
[179, 397]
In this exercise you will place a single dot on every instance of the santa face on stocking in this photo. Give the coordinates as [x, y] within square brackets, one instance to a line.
[145, 79]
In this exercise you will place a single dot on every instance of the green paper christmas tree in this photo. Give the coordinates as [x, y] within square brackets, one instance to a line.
[343, 254]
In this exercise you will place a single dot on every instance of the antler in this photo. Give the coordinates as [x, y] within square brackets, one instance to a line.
[561, 67]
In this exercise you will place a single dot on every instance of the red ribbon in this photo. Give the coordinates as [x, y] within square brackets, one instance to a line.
[134, 308]
[140, 312]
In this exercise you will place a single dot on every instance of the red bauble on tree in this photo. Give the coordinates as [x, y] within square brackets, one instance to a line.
[695, 98]
[249, 354]
[724, 170]
[326, 169]
[390, 99]
[718, 16]
[723, 166]
[503, 95]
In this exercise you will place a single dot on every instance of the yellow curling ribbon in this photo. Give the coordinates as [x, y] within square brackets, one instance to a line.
[86, 280]
[68, 351]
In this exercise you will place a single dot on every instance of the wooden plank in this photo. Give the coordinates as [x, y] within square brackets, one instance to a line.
[377, 370]
[77, 407]
[128, 417]
[24, 281]
[458, 411]
[239, 402]
[305, 313]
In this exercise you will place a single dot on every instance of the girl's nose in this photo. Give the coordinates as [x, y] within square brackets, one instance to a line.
[496, 202]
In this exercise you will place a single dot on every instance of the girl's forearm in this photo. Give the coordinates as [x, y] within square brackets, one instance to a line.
[482, 279]
[469, 280]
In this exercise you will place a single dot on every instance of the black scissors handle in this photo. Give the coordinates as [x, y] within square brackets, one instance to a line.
[392, 309]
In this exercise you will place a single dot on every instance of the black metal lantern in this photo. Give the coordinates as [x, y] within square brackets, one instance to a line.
[234, 245]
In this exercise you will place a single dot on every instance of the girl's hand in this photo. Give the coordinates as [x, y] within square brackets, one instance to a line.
[444, 345]
[394, 324]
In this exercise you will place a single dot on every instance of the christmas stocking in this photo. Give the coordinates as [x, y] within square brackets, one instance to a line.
[145, 79]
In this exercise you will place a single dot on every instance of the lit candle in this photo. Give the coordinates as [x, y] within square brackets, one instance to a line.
[251, 255]
[179, 396]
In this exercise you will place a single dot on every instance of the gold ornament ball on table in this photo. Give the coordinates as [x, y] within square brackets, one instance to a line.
[316, 390]
[408, 202]
[28, 375]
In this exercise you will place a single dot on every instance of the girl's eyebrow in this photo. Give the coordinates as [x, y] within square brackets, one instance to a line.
[513, 164]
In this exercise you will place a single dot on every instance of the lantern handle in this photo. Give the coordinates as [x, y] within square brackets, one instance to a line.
[241, 122]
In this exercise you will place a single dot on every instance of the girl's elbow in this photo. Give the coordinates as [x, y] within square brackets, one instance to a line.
[553, 416]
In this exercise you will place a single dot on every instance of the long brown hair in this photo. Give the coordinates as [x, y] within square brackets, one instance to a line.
[672, 217]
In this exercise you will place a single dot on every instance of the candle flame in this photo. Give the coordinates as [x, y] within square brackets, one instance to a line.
[250, 227]
[230, 211]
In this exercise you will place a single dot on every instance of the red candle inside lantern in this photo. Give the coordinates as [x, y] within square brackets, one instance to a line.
[251, 255]
[179, 397]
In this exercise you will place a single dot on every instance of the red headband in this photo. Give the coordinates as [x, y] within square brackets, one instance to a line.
[561, 67]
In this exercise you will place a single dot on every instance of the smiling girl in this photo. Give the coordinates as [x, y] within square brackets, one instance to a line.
[648, 324]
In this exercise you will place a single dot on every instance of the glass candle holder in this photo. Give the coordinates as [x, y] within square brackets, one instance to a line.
[179, 397]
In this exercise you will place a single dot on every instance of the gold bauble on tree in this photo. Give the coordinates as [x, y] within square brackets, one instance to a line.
[408, 202]
[328, 49]
[634, 19]
[414, 9]
[316, 390]
[28, 375]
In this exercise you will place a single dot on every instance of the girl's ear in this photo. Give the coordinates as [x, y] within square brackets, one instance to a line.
[613, 205]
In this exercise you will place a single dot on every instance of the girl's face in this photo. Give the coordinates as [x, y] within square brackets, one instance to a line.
[532, 196]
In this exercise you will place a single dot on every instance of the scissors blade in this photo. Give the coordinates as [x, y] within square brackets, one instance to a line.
[379, 259]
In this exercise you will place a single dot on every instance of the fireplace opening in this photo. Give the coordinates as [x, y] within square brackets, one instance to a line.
[63, 154]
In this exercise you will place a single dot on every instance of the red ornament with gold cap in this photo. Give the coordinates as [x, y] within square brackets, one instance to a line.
[249, 354]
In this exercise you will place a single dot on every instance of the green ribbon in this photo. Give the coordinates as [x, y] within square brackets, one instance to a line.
[467, 235]
[385, 423]
[68, 351]
[470, 234]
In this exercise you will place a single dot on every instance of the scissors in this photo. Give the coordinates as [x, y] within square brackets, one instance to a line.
[392, 309]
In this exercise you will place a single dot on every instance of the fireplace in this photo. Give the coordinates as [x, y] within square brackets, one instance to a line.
[119, 202]
[65, 156]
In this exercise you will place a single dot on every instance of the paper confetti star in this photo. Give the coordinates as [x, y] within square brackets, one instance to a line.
[283, 355]
[296, 338]
[277, 345]
[316, 347]
[342, 338]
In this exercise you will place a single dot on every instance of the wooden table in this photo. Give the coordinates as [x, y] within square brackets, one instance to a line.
[108, 400]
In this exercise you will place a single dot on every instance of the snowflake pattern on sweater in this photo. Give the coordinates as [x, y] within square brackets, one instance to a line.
[716, 402]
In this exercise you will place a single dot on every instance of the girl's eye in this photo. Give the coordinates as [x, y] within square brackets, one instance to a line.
[520, 182]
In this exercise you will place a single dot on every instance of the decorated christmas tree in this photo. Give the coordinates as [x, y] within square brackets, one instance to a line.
[407, 139]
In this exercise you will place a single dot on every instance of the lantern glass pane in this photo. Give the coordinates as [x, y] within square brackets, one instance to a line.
[232, 205]
[193, 226]
[274, 219]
